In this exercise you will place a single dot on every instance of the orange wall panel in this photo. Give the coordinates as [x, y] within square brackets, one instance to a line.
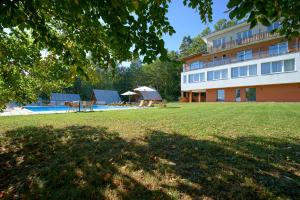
[211, 95]
[243, 94]
[264, 93]
[278, 93]
[230, 94]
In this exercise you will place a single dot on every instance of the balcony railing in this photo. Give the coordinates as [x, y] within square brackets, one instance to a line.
[235, 43]
[295, 47]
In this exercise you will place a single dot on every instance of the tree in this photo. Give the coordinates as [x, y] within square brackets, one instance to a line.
[185, 45]
[164, 76]
[205, 32]
[24, 75]
[224, 23]
[221, 24]
[268, 11]
[197, 45]
[109, 31]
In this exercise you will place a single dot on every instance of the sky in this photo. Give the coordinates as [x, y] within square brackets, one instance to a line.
[186, 21]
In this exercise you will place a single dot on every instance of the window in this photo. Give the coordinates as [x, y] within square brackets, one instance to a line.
[234, 72]
[224, 74]
[273, 50]
[238, 95]
[244, 34]
[196, 78]
[220, 42]
[273, 26]
[252, 70]
[280, 48]
[283, 47]
[184, 78]
[251, 94]
[210, 76]
[202, 77]
[220, 95]
[193, 78]
[266, 68]
[217, 74]
[196, 65]
[243, 71]
[244, 55]
[278, 66]
[289, 65]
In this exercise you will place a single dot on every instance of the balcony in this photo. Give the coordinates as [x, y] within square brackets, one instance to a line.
[294, 47]
[240, 42]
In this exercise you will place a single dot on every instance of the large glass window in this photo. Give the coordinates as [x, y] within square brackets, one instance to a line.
[273, 50]
[278, 66]
[220, 95]
[224, 74]
[289, 65]
[244, 34]
[220, 42]
[196, 65]
[238, 95]
[283, 47]
[202, 77]
[191, 78]
[244, 55]
[251, 94]
[234, 72]
[250, 70]
[217, 74]
[184, 78]
[196, 78]
[280, 48]
[210, 76]
[248, 54]
[266, 68]
[244, 71]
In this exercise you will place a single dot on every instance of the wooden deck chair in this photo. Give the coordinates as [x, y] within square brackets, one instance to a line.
[150, 103]
[141, 103]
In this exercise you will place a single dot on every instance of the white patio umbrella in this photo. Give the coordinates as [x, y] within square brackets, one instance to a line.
[144, 89]
[128, 93]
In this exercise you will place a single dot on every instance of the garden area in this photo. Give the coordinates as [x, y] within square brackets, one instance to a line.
[183, 151]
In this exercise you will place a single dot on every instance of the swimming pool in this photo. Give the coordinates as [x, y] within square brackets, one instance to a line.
[43, 109]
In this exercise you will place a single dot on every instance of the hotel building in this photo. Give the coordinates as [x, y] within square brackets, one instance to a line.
[243, 64]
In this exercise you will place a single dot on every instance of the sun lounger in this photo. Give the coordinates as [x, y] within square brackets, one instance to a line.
[141, 103]
[150, 104]
[72, 105]
[87, 105]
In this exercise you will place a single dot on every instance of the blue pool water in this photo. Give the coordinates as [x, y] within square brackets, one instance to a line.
[65, 108]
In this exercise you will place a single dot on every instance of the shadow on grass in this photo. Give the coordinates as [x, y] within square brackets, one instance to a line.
[83, 162]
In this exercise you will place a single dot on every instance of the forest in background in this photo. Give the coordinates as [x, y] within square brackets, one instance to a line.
[161, 75]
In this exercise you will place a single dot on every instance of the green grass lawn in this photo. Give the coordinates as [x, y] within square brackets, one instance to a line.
[184, 151]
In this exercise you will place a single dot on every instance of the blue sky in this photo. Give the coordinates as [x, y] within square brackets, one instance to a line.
[186, 21]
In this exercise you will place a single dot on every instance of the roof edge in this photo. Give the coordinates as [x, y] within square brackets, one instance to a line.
[212, 34]
[191, 56]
